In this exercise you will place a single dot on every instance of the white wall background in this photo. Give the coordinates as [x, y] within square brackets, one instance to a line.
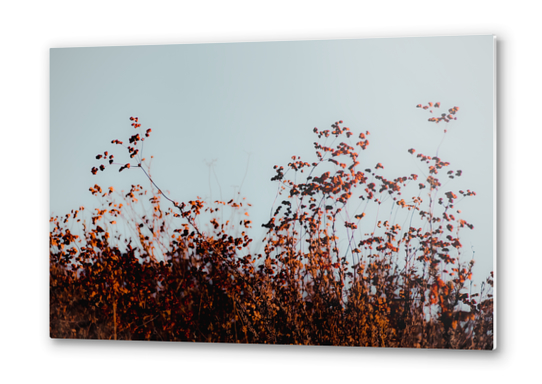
[29, 28]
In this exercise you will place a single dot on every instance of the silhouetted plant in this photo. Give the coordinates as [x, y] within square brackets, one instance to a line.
[331, 272]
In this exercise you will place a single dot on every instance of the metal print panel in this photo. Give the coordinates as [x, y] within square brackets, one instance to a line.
[335, 193]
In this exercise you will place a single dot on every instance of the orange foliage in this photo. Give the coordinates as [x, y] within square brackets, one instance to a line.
[315, 283]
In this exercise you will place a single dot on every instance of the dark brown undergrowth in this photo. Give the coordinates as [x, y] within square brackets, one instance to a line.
[335, 270]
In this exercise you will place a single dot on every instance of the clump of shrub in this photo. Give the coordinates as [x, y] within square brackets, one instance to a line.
[334, 269]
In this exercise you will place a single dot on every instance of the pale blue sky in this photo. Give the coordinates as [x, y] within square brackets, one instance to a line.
[226, 101]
